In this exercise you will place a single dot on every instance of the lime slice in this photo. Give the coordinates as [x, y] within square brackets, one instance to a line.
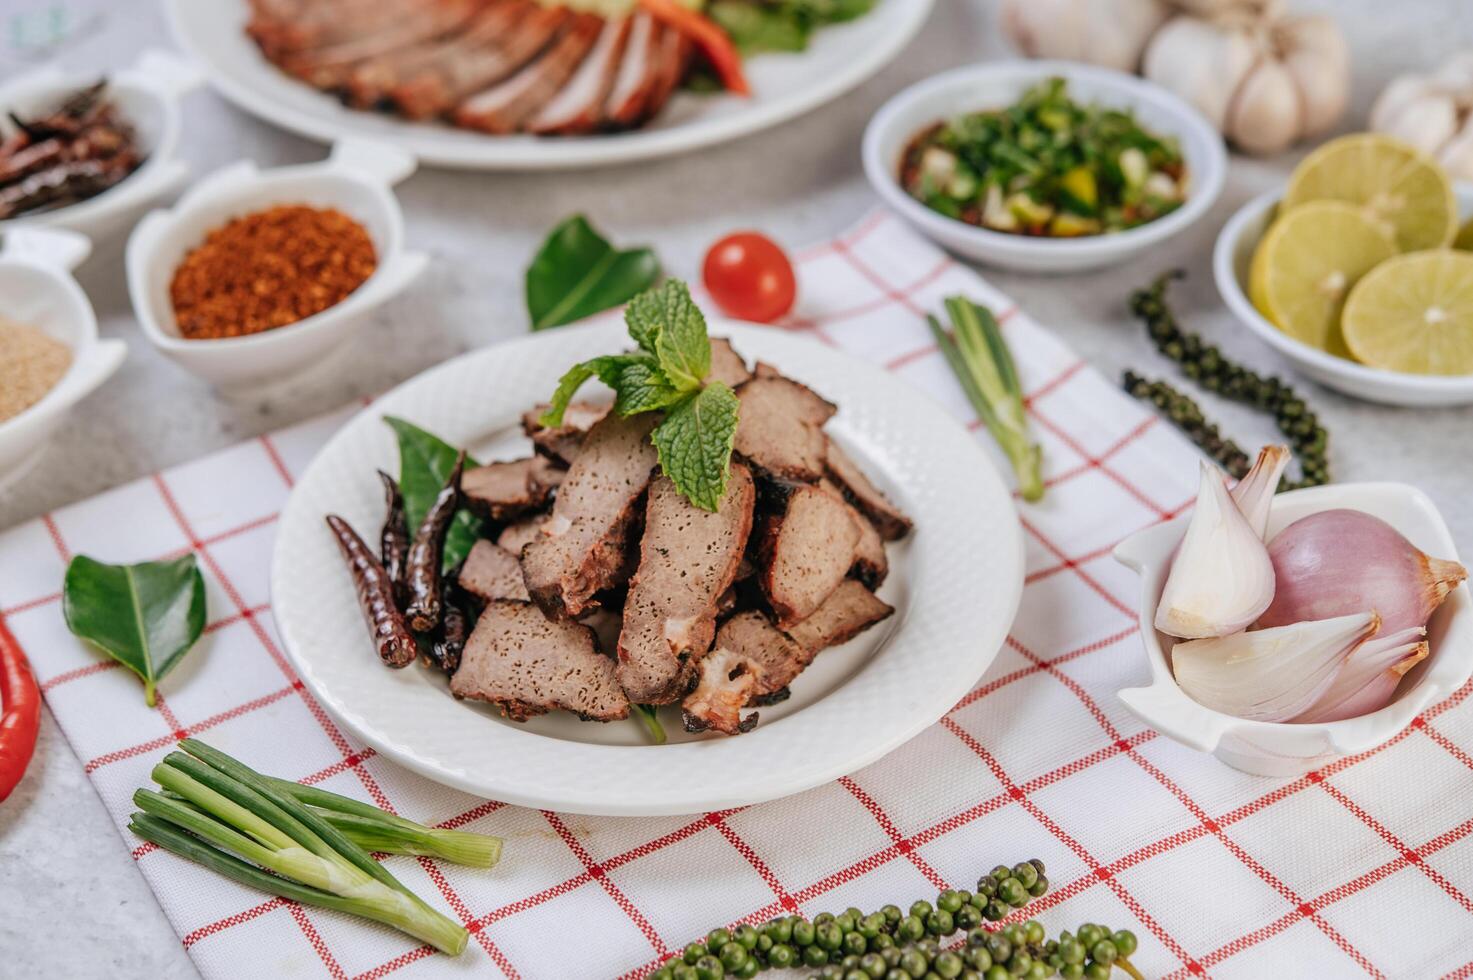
[1392, 180]
[1414, 313]
[1307, 262]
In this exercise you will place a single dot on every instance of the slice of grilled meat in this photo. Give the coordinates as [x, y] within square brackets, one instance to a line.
[505, 491]
[804, 550]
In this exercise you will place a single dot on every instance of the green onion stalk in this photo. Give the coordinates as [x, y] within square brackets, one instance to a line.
[979, 357]
[298, 842]
[645, 714]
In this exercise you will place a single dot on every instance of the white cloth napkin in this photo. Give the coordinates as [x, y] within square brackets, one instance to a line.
[1364, 867]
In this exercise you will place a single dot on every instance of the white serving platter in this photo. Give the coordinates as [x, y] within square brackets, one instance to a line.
[840, 57]
[955, 583]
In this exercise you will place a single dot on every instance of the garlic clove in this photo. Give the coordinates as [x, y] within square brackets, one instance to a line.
[1200, 61]
[1273, 674]
[1254, 493]
[1426, 122]
[1221, 578]
[1396, 96]
[1456, 156]
[1318, 61]
[1456, 74]
[1112, 33]
[1265, 114]
[1368, 679]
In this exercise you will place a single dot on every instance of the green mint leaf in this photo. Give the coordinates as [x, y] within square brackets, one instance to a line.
[694, 443]
[144, 616]
[577, 273]
[643, 387]
[425, 462]
[681, 345]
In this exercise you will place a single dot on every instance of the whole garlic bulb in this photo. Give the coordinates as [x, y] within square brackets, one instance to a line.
[1112, 33]
[1434, 113]
[1264, 80]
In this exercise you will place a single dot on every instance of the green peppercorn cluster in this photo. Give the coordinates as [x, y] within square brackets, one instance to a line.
[1205, 364]
[892, 944]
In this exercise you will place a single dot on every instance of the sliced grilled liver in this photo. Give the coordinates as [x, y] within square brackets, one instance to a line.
[776, 657]
[689, 558]
[804, 551]
[848, 611]
[503, 491]
[527, 664]
[888, 519]
[491, 572]
[515, 537]
[727, 365]
[585, 546]
[780, 427]
[562, 442]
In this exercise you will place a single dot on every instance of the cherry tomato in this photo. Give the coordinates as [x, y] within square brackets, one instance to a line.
[750, 278]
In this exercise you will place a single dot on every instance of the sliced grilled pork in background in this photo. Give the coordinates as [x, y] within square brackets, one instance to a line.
[330, 67]
[887, 518]
[371, 81]
[562, 442]
[491, 572]
[527, 664]
[780, 427]
[505, 107]
[804, 551]
[638, 73]
[503, 491]
[439, 87]
[688, 559]
[585, 546]
[578, 107]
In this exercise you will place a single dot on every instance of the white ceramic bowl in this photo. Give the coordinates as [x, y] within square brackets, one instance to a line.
[1272, 749]
[356, 179]
[999, 84]
[148, 96]
[1230, 261]
[38, 289]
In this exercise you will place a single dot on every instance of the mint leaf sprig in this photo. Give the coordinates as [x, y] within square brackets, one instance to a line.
[667, 372]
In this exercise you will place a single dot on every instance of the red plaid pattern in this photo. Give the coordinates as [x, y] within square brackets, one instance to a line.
[1363, 867]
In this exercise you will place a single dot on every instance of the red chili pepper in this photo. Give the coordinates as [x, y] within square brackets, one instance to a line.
[708, 36]
[21, 717]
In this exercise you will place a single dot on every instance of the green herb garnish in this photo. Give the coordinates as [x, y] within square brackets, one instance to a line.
[145, 616]
[667, 373]
[425, 462]
[226, 816]
[1046, 165]
[980, 359]
[577, 273]
[756, 26]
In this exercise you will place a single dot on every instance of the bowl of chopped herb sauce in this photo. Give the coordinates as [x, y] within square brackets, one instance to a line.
[1044, 166]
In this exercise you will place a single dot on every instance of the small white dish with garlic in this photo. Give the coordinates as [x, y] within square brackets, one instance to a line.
[1286, 631]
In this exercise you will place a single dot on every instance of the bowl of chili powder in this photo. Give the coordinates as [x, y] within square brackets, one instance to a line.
[258, 276]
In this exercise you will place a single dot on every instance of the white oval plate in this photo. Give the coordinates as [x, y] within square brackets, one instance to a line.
[840, 57]
[955, 583]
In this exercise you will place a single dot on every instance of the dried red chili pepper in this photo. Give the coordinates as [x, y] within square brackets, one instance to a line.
[391, 637]
[21, 717]
[394, 539]
[427, 553]
[455, 627]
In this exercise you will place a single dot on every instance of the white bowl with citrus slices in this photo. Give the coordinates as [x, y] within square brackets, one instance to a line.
[1351, 272]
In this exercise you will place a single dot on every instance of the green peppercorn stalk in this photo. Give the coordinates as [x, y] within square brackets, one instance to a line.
[1205, 364]
[892, 944]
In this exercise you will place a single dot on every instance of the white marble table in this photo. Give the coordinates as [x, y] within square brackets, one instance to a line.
[64, 872]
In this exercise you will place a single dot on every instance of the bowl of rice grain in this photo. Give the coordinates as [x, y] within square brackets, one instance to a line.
[50, 355]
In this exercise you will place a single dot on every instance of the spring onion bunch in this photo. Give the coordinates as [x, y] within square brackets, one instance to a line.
[299, 842]
[980, 359]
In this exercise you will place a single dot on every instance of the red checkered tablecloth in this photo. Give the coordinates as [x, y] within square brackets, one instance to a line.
[1363, 867]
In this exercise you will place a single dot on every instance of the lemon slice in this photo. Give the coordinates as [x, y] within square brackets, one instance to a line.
[1414, 313]
[1391, 179]
[1307, 262]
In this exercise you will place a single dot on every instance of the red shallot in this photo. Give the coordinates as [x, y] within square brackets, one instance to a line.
[1369, 677]
[1339, 562]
